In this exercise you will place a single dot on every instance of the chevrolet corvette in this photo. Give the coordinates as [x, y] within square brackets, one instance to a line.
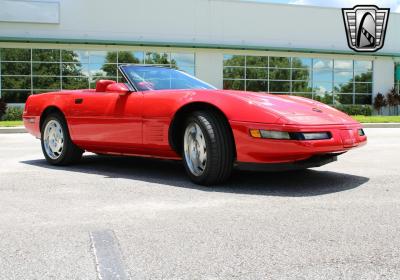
[165, 113]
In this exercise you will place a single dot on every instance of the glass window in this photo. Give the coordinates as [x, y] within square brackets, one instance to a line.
[75, 82]
[322, 87]
[189, 70]
[322, 64]
[15, 68]
[322, 75]
[46, 55]
[135, 57]
[306, 95]
[233, 73]
[343, 99]
[121, 79]
[344, 64]
[103, 70]
[182, 59]
[279, 74]
[343, 87]
[299, 62]
[363, 66]
[257, 61]
[326, 98]
[363, 99]
[46, 83]
[16, 82]
[279, 62]
[234, 84]
[101, 57]
[15, 54]
[15, 96]
[39, 91]
[75, 56]
[234, 60]
[301, 86]
[157, 58]
[75, 69]
[256, 73]
[279, 86]
[51, 69]
[257, 85]
[363, 77]
[363, 88]
[301, 74]
[343, 76]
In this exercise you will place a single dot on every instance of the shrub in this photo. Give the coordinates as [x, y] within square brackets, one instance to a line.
[393, 99]
[379, 102]
[13, 114]
[3, 108]
[364, 110]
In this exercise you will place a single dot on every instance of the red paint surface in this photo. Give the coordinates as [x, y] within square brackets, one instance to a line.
[137, 123]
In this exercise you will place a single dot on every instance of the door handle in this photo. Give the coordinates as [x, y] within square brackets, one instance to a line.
[78, 100]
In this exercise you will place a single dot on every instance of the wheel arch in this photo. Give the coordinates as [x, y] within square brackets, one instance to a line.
[176, 127]
[47, 111]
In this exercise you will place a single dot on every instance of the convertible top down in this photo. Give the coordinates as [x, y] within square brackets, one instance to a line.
[165, 113]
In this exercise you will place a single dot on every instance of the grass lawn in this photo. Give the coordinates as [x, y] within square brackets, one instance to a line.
[10, 123]
[377, 119]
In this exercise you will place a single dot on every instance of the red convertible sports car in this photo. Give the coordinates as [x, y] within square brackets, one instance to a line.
[165, 113]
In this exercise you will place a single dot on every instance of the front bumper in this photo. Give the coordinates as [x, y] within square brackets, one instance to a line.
[313, 161]
[256, 150]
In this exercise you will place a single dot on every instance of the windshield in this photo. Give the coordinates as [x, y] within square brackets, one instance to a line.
[146, 78]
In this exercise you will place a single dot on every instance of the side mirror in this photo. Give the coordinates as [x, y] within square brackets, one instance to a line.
[119, 88]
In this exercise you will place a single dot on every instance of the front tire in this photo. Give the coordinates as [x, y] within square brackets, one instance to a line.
[57, 146]
[208, 149]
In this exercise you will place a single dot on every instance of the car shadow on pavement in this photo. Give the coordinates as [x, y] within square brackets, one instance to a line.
[172, 173]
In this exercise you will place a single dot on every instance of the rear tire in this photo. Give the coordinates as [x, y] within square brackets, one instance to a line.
[57, 146]
[208, 148]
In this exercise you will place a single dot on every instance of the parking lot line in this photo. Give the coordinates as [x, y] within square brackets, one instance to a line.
[107, 255]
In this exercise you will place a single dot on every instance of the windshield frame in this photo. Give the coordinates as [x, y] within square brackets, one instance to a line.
[132, 86]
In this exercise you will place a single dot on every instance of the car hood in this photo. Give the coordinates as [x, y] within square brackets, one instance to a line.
[293, 109]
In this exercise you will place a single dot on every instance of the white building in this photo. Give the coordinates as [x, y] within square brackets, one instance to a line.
[52, 45]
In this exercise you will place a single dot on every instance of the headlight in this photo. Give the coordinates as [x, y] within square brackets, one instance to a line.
[269, 134]
[283, 135]
[361, 132]
[316, 135]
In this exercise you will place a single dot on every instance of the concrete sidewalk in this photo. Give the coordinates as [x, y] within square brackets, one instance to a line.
[381, 125]
[15, 129]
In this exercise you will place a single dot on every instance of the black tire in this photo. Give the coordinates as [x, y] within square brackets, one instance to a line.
[70, 152]
[219, 144]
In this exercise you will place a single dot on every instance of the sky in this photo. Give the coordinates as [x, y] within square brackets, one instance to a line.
[394, 5]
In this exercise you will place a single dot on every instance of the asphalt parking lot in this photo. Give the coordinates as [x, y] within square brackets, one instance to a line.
[143, 219]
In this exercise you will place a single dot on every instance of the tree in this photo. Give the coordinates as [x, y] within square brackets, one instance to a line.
[379, 102]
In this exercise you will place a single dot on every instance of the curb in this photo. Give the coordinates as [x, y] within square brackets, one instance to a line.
[17, 129]
[381, 125]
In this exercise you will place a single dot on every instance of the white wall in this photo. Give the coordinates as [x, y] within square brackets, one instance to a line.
[219, 22]
[209, 67]
[383, 75]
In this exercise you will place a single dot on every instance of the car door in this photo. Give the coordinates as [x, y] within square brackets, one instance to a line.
[107, 120]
